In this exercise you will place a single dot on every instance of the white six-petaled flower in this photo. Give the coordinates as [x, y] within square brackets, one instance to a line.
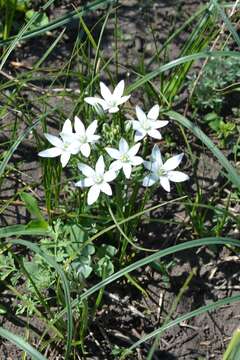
[96, 179]
[85, 136]
[110, 101]
[148, 124]
[125, 157]
[64, 147]
[163, 172]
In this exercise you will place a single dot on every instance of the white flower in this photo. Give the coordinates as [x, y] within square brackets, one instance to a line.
[125, 157]
[85, 136]
[96, 179]
[148, 124]
[110, 101]
[163, 172]
[64, 147]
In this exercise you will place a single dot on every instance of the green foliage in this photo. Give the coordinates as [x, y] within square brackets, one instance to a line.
[225, 130]
[12, 16]
[32, 206]
[41, 19]
[7, 265]
[217, 75]
[9, 9]
[233, 349]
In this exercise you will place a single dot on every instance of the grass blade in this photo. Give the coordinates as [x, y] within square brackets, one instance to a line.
[231, 172]
[233, 349]
[19, 36]
[149, 259]
[50, 260]
[197, 312]
[21, 230]
[60, 22]
[189, 58]
[18, 141]
[227, 22]
[15, 145]
[21, 344]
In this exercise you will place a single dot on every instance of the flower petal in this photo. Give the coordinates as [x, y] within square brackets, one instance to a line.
[148, 165]
[123, 146]
[165, 183]
[65, 157]
[153, 112]
[139, 135]
[123, 99]
[105, 92]
[106, 188]
[110, 175]
[54, 140]
[177, 176]
[79, 126]
[133, 150]
[140, 114]
[91, 128]
[100, 166]
[96, 101]
[86, 170]
[52, 152]
[114, 153]
[93, 138]
[149, 180]
[127, 169]
[159, 124]
[67, 127]
[136, 160]
[93, 194]
[74, 147]
[119, 89]
[85, 182]
[156, 155]
[136, 125]
[113, 109]
[173, 162]
[155, 134]
[116, 165]
[85, 149]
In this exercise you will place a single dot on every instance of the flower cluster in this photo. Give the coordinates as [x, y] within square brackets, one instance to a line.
[124, 157]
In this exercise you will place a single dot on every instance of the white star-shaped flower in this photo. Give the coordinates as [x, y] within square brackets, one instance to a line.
[148, 124]
[64, 147]
[85, 136]
[125, 157]
[163, 172]
[110, 101]
[96, 179]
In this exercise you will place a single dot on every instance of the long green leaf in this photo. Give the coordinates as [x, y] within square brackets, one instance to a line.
[231, 172]
[158, 255]
[32, 205]
[149, 259]
[233, 349]
[15, 145]
[21, 230]
[227, 22]
[21, 344]
[19, 36]
[215, 305]
[189, 58]
[18, 141]
[62, 21]
[50, 260]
